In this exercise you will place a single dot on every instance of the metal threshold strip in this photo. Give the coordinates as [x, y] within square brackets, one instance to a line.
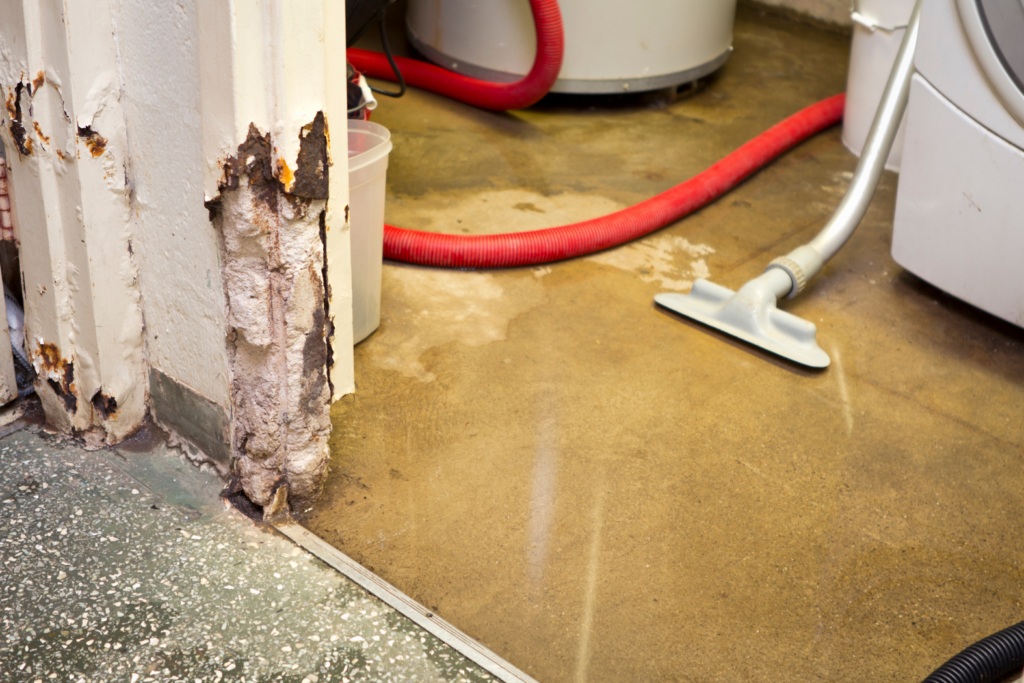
[469, 648]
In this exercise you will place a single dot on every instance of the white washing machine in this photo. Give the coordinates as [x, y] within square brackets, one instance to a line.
[960, 203]
[610, 46]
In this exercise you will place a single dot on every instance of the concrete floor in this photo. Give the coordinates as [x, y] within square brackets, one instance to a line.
[602, 491]
[125, 566]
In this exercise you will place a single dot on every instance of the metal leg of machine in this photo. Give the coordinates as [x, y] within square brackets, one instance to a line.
[751, 313]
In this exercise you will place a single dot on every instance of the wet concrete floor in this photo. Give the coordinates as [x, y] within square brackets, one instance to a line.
[600, 490]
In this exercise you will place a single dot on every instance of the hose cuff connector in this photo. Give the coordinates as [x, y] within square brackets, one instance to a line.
[800, 265]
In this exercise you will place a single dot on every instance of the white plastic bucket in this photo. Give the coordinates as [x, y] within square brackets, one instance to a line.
[368, 147]
[878, 28]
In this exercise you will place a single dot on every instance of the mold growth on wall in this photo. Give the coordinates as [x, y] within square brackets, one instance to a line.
[269, 221]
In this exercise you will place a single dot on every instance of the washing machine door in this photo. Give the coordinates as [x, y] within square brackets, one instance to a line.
[995, 29]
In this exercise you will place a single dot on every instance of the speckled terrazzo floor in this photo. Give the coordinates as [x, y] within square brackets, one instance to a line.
[125, 566]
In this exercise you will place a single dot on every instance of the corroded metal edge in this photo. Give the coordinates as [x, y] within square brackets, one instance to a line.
[469, 648]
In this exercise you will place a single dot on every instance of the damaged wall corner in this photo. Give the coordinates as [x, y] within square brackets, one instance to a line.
[83, 318]
[272, 264]
[276, 196]
[133, 293]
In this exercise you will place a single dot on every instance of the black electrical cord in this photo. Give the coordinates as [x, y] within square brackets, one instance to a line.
[987, 661]
[379, 18]
[350, 18]
[391, 61]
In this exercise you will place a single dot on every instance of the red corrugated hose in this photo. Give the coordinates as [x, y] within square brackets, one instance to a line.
[484, 94]
[578, 239]
[587, 237]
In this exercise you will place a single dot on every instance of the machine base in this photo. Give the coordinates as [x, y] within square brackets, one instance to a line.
[959, 206]
[575, 86]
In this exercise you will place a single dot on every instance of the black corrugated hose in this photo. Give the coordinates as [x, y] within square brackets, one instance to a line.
[987, 661]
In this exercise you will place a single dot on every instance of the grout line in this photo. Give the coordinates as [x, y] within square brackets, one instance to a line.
[469, 648]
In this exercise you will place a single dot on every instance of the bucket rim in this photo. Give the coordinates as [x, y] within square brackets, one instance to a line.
[382, 146]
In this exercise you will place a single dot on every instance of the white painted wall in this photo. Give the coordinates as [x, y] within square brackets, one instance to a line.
[176, 246]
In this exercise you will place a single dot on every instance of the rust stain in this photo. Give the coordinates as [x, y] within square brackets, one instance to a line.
[328, 330]
[96, 143]
[68, 385]
[60, 154]
[53, 365]
[69, 399]
[105, 405]
[327, 137]
[18, 131]
[39, 132]
[313, 166]
[50, 356]
[269, 177]
[255, 161]
[284, 173]
[38, 81]
[315, 360]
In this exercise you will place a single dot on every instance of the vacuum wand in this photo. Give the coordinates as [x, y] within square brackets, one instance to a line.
[751, 314]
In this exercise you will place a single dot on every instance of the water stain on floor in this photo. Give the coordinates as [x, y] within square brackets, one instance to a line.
[428, 308]
[498, 211]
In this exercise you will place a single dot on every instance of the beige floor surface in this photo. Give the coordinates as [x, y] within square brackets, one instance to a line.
[602, 491]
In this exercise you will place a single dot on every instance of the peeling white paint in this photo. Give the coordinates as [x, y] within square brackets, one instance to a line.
[272, 276]
[131, 111]
[105, 87]
[280, 66]
[81, 291]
